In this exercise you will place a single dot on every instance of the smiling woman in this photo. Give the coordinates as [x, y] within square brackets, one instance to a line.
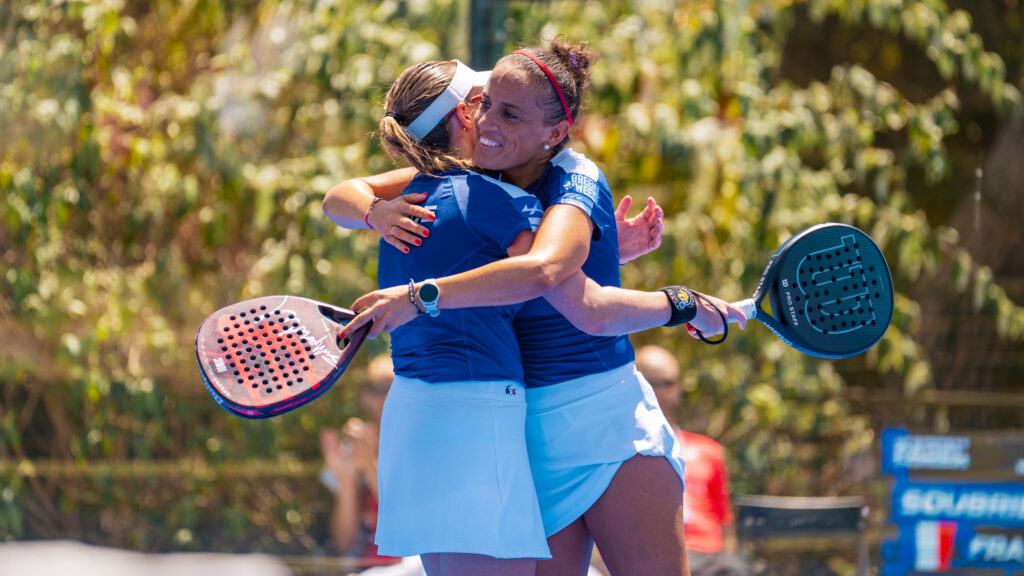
[512, 118]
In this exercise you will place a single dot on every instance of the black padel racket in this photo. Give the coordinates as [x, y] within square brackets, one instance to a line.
[830, 292]
[267, 356]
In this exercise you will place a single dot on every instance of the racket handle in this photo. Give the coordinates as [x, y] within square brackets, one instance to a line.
[748, 306]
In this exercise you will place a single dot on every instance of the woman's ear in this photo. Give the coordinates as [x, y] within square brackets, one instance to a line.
[557, 133]
[464, 112]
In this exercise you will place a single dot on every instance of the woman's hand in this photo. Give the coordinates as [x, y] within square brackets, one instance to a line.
[395, 220]
[364, 439]
[641, 233]
[338, 456]
[388, 308]
[708, 319]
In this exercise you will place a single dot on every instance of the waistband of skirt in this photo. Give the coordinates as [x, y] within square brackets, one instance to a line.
[495, 390]
[572, 390]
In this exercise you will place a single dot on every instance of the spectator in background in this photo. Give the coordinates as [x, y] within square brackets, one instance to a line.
[707, 508]
[350, 472]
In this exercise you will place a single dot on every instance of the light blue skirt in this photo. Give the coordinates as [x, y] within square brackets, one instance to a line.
[579, 432]
[453, 473]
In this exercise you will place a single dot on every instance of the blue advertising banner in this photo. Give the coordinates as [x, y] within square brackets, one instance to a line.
[988, 456]
[939, 546]
[957, 501]
[997, 504]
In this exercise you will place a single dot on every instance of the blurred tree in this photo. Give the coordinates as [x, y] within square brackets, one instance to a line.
[163, 158]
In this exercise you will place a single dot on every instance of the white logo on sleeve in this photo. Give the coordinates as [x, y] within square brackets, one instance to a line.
[582, 185]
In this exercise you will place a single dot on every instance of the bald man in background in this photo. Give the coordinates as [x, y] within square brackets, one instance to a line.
[707, 509]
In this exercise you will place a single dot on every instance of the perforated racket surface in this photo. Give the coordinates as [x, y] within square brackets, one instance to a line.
[267, 356]
[830, 292]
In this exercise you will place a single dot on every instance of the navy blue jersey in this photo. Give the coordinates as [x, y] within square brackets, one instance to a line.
[469, 231]
[553, 350]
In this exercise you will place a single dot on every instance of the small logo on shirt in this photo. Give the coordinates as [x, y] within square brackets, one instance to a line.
[532, 211]
[511, 390]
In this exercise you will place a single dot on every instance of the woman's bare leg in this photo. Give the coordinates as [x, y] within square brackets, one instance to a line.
[570, 551]
[638, 522]
[451, 564]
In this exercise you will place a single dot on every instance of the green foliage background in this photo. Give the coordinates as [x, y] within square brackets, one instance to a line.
[161, 159]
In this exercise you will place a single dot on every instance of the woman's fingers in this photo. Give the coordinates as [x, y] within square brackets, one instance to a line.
[735, 314]
[409, 232]
[394, 241]
[623, 208]
[356, 323]
[414, 210]
[388, 308]
[403, 213]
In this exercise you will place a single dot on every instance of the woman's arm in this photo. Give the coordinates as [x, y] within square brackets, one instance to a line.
[592, 308]
[610, 311]
[559, 249]
[345, 524]
[346, 204]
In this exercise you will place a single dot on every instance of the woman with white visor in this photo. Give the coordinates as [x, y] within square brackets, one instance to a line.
[454, 477]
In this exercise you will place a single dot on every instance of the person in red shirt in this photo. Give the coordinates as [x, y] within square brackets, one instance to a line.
[707, 508]
[350, 471]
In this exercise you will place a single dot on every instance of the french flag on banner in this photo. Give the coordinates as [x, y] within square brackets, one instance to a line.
[934, 542]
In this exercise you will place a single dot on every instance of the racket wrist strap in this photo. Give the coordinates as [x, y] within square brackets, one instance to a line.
[682, 304]
[725, 324]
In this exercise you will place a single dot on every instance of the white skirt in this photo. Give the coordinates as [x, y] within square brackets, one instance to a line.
[453, 472]
[579, 432]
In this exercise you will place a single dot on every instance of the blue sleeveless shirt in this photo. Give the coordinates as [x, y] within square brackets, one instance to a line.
[470, 230]
[552, 349]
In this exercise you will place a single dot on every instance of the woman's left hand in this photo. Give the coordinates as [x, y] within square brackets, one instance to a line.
[641, 233]
[388, 308]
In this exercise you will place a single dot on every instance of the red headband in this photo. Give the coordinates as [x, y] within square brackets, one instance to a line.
[551, 77]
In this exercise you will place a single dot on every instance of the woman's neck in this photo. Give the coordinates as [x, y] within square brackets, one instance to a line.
[526, 174]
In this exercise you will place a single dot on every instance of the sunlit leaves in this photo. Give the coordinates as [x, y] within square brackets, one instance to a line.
[162, 159]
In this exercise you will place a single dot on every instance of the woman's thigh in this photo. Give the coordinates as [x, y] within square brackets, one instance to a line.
[451, 564]
[638, 522]
[570, 551]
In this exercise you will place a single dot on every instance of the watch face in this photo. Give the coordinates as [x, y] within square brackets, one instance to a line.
[428, 293]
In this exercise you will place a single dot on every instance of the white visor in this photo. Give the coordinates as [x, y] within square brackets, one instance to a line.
[463, 82]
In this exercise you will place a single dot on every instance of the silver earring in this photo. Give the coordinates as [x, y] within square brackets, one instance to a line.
[546, 147]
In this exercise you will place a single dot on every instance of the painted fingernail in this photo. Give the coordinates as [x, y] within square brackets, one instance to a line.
[426, 233]
[419, 242]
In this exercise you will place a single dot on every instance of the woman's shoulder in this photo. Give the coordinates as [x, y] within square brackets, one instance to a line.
[572, 162]
[465, 180]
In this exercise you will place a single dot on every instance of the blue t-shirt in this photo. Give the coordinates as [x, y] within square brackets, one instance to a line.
[552, 349]
[470, 230]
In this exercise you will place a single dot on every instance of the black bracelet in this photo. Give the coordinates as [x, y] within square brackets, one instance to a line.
[684, 308]
[725, 323]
